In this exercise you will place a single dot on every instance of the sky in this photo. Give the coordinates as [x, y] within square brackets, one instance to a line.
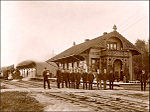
[37, 30]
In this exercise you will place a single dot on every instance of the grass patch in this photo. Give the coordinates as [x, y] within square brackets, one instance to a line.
[19, 101]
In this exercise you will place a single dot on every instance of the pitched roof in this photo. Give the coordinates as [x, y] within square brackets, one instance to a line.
[31, 64]
[26, 64]
[99, 42]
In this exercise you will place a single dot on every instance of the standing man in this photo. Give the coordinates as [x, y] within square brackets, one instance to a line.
[72, 78]
[99, 79]
[111, 79]
[62, 78]
[58, 75]
[66, 78]
[143, 80]
[45, 75]
[78, 77]
[104, 78]
[91, 79]
[84, 78]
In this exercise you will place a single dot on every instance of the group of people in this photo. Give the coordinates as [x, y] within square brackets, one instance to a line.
[72, 79]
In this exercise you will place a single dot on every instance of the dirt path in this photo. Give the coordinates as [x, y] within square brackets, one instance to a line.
[68, 99]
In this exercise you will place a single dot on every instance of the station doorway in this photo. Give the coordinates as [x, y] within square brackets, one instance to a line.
[117, 66]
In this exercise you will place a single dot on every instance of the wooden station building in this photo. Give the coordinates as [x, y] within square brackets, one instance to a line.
[109, 50]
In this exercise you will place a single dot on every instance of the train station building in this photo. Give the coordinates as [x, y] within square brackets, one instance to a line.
[111, 50]
[33, 69]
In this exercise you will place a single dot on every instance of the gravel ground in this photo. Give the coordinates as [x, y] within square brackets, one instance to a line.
[68, 99]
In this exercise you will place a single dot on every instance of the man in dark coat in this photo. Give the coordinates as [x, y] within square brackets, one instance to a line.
[90, 79]
[68, 78]
[65, 78]
[78, 78]
[99, 79]
[84, 79]
[62, 78]
[104, 78]
[72, 78]
[143, 79]
[58, 75]
[111, 79]
[45, 75]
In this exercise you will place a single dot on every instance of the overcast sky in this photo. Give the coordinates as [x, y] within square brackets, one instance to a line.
[37, 29]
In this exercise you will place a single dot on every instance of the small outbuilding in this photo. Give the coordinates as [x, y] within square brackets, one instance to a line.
[34, 69]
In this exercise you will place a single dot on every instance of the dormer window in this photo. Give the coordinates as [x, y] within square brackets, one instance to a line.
[112, 46]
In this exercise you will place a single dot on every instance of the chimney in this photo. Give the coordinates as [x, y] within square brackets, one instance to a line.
[74, 43]
[87, 40]
[104, 33]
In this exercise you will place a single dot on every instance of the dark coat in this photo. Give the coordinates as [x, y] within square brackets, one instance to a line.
[45, 74]
[78, 78]
[72, 78]
[99, 76]
[65, 78]
[105, 76]
[84, 77]
[90, 78]
[143, 77]
[111, 77]
[58, 75]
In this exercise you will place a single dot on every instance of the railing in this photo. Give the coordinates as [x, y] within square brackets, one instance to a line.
[114, 53]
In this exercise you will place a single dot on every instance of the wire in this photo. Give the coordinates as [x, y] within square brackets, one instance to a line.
[132, 24]
[129, 18]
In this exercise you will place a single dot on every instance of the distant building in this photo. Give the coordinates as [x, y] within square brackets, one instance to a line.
[109, 50]
[6, 71]
[34, 69]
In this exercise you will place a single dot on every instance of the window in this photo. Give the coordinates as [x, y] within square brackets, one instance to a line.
[112, 46]
[115, 46]
[107, 46]
[93, 61]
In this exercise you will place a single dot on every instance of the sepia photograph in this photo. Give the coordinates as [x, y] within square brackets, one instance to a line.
[74, 56]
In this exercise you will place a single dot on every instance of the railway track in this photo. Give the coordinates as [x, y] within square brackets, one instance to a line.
[96, 102]
[100, 103]
[25, 84]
